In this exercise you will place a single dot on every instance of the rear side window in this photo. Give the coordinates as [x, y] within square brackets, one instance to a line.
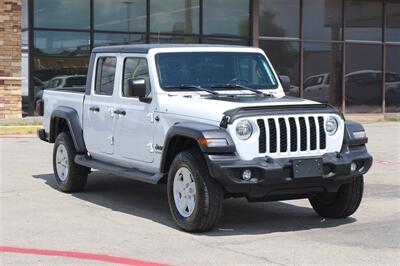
[105, 75]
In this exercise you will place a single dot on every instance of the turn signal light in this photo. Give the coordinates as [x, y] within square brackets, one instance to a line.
[213, 142]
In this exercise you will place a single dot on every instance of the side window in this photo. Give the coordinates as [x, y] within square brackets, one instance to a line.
[105, 74]
[135, 68]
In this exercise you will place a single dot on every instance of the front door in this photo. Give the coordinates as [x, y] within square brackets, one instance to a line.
[98, 109]
[134, 128]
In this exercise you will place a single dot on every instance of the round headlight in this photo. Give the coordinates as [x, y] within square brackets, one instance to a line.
[331, 125]
[244, 130]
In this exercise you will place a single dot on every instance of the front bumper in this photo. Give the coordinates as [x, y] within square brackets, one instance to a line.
[272, 179]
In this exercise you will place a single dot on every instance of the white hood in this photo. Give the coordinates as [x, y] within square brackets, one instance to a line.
[213, 107]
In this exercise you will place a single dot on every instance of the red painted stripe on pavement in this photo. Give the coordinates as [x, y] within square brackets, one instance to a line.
[78, 255]
[387, 163]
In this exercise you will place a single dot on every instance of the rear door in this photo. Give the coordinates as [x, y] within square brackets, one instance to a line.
[99, 108]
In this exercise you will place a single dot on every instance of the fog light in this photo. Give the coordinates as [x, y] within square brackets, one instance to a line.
[246, 175]
[353, 167]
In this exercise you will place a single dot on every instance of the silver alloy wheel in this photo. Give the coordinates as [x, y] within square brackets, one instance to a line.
[62, 162]
[184, 192]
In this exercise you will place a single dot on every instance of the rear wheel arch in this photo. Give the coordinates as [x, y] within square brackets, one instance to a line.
[67, 119]
[57, 126]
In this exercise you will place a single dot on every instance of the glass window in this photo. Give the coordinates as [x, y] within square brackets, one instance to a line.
[178, 16]
[214, 70]
[60, 14]
[105, 75]
[25, 72]
[62, 43]
[103, 39]
[363, 78]
[323, 72]
[285, 57]
[173, 39]
[393, 20]
[392, 93]
[58, 72]
[24, 14]
[135, 68]
[227, 17]
[363, 20]
[24, 62]
[120, 15]
[224, 40]
[322, 20]
[280, 18]
[56, 56]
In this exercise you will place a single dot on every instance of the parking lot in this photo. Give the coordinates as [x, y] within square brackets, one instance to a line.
[126, 219]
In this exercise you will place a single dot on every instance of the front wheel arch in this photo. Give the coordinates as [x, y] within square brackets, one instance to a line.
[176, 145]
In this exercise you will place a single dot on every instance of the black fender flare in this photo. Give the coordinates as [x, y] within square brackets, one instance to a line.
[349, 139]
[197, 131]
[72, 118]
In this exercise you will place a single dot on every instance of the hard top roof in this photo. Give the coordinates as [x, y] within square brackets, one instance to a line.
[144, 48]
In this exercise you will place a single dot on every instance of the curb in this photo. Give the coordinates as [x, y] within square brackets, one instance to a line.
[17, 130]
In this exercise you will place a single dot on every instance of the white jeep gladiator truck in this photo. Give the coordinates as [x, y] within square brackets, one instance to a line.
[211, 122]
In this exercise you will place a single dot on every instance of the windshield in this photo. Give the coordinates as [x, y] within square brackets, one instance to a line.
[214, 70]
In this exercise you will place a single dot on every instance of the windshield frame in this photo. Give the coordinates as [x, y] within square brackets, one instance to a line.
[261, 55]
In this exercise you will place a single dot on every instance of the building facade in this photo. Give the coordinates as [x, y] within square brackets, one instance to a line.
[10, 59]
[343, 52]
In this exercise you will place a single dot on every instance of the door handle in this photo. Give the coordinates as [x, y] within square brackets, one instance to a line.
[94, 109]
[120, 112]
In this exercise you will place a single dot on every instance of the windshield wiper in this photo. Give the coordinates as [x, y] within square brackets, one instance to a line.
[238, 86]
[185, 86]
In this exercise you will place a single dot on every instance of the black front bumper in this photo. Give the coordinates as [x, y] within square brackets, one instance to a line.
[273, 179]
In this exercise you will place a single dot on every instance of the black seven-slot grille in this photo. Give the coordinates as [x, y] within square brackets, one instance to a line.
[291, 134]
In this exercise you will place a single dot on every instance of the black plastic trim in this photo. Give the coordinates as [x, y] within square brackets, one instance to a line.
[231, 115]
[274, 177]
[131, 173]
[72, 119]
[145, 48]
[349, 139]
[196, 131]
[42, 135]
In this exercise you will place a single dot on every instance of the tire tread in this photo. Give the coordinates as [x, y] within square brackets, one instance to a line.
[212, 195]
[347, 200]
[77, 176]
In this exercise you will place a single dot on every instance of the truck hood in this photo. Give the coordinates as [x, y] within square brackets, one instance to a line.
[213, 107]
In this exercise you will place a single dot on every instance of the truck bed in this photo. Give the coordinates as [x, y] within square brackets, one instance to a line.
[54, 98]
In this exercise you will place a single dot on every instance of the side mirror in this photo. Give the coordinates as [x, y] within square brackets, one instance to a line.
[285, 81]
[137, 88]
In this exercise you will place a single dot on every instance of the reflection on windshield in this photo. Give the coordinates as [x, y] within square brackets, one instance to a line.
[210, 69]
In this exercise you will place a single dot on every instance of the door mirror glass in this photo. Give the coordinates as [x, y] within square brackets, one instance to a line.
[285, 81]
[137, 88]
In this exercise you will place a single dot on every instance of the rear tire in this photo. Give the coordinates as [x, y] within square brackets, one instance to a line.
[342, 203]
[194, 198]
[69, 176]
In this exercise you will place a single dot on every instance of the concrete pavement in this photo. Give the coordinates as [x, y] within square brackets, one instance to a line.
[124, 218]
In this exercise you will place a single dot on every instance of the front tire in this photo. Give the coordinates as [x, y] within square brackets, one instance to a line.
[342, 203]
[194, 198]
[69, 176]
